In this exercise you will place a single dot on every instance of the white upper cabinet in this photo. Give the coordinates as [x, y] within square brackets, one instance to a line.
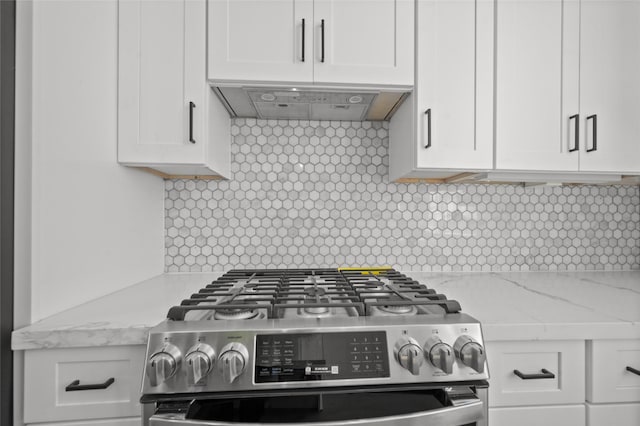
[261, 40]
[535, 96]
[363, 41]
[306, 41]
[447, 126]
[166, 119]
[610, 85]
[567, 82]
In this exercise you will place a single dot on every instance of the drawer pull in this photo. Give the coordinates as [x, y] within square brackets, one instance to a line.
[76, 386]
[545, 374]
[634, 371]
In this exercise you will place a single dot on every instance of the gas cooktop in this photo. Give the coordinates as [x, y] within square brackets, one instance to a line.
[311, 328]
[312, 293]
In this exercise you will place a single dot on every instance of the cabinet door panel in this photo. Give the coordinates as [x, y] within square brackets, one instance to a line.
[608, 377]
[260, 40]
[48, 372]
[565, 359]
[365, 41]
[551, 415]
[609, 84]
[618, 414]
[537, 44]
[455, 82]
[155, 47]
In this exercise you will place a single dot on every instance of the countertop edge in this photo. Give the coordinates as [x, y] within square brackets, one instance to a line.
[71, 328]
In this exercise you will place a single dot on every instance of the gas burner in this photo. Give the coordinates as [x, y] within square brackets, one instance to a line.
[236, 314]
[397, 309]
[317, 311]
[314, 292]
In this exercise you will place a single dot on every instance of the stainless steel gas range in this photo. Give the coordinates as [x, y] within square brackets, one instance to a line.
[316, 347]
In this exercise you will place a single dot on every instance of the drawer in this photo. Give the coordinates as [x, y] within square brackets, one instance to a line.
[613, 414]
[564, 359]
[129, 421]
[48, 372]
[608, 379]
[552, 415]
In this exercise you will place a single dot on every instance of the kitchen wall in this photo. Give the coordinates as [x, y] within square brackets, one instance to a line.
[313, 194]
[85, 225]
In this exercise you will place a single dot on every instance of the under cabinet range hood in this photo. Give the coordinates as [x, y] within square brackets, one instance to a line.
[310, 103]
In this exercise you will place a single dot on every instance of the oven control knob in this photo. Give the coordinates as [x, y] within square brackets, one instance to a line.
[470, 352]
[409, 354]
[440, 354]
[199, 360]
[232, 361]
[163, 364]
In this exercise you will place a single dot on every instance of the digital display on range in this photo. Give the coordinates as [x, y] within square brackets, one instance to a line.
[321, 356]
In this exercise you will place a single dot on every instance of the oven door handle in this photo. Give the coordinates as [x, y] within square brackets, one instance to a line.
[460, 414]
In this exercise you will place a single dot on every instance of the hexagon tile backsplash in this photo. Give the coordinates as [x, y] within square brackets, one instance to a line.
[316, 194]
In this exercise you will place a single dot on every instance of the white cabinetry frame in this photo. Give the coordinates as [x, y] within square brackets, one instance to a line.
[609, 85]
[567, 92]
[168, 117]
[312, 41]
[447, 124]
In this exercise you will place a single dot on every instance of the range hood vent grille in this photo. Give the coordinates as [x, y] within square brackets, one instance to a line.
[310, 104]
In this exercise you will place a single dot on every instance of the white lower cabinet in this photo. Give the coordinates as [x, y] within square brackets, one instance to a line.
[552, 372]
[56, 379]
[613, 414]
[557, 415]
[536, 382]
[613, 382]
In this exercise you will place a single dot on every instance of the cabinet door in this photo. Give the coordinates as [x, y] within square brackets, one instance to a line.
[161, 51]
[50, 372]
[364, 41]
[608, 379]
[565, 360]
[608, 414]
[610, 85]
[552, 415]
[261, 40]
[455, 84]
[537, 68]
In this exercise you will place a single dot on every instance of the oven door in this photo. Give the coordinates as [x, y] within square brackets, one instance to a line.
[454, 406]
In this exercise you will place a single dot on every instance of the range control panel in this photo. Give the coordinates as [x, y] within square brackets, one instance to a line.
[321, 356]
[184, 358]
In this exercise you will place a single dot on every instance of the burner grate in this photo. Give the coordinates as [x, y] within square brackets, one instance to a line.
[241, 293]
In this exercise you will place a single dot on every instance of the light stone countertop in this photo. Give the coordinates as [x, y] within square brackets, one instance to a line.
[510, 306]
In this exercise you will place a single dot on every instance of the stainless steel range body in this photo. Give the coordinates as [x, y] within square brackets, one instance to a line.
[316, 347]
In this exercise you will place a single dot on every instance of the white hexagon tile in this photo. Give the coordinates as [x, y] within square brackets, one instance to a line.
[316, 194]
